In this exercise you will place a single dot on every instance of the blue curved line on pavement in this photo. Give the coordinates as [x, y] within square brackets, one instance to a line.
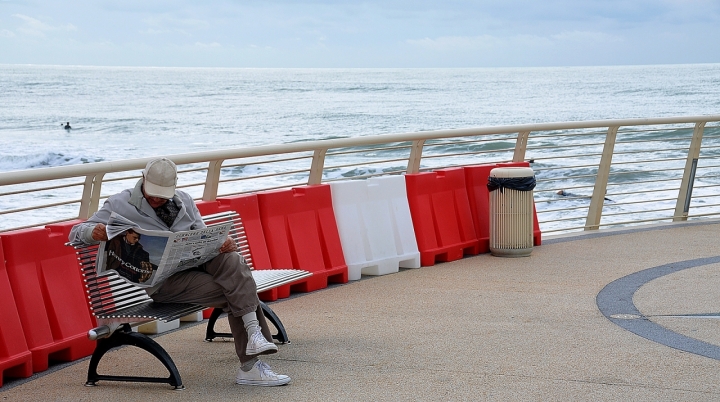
[617, 296]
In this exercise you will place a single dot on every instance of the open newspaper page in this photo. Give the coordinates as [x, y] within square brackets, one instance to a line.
[147, 257]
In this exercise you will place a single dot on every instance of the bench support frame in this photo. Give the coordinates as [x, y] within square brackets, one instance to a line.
[281, 336]
[125, 336]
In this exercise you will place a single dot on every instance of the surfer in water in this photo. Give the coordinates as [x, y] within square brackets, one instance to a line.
[67, 126]
[564, 193]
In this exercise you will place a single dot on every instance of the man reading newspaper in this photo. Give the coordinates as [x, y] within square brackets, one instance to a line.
[224, 281]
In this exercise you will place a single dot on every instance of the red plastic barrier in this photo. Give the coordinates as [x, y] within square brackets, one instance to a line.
[208, 207]
[441, 215]
[58, 237]
[476, 178]
[301, 232]
[50, 299]
[15, 357]
[59, 233]
[248, 208]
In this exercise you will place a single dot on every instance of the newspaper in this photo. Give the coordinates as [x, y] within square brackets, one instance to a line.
[147, 257]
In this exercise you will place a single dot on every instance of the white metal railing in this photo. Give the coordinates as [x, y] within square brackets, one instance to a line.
[608, 172]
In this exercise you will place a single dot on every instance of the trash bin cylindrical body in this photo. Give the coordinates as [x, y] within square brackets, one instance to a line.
[511, 212]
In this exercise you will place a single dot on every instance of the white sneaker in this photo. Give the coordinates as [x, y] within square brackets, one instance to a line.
[257, 344]
[261, 375]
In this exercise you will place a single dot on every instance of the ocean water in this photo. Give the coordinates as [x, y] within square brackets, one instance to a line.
[128, 112]
[123, 112]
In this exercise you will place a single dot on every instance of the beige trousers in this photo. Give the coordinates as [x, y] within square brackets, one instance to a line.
[225, 282]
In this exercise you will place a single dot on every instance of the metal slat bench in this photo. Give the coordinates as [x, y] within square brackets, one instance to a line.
[118, 306]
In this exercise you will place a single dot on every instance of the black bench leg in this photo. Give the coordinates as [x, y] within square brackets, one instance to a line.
[124, 336]
[210, 333]
[281, 335]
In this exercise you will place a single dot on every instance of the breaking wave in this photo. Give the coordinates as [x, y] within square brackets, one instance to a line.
[41, 160]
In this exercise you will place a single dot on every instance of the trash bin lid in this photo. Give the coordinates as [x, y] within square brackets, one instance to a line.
[512, 172]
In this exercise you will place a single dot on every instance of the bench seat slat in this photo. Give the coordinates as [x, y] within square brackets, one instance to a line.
[155, 311]
[115, 307]
[118, 300]
[269, 279]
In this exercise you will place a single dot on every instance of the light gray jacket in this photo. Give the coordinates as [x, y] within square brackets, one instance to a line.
[131, 204]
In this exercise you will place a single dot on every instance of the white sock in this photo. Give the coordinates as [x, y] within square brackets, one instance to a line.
[251, 323]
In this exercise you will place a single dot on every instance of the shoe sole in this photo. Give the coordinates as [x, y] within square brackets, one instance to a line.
[264, 383]
[267, 350]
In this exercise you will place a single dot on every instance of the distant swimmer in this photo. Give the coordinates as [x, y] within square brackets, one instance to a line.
[567, 194]
[67, 126]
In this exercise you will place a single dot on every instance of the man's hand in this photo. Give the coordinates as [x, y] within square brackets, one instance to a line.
[228, 246]
[99, 233]
[147, 271]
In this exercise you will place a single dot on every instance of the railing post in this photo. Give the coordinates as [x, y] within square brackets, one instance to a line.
[212, 180]
[415, 156]
[318, 164]
[592, 222]
[95, 197]
[84, 212]
[685, 193]
[521, 146]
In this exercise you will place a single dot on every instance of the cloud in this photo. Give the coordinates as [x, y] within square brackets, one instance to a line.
[586, 37]
[368, 33]
[35, 27]
[481, 42]
[165, 20]
[151, 31]
[487, 42]
[207, 45]
[166, 24]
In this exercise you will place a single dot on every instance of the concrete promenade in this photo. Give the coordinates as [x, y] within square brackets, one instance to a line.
[482, 328]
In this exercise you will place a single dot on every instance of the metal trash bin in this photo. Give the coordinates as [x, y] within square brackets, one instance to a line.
[511, 211]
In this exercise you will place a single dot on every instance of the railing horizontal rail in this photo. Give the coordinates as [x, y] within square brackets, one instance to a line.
[566, 198]
[609, 214]
[265, 162]
[260, 176]
[638, 158]
[350, 152]
[289, 185]
[25, 176]
[546, 211]
[647, 171]
[366, 163]
[37, 189]
[550, 179]
[642, 201]
[648, 161]
[33, 207]
[659, 190]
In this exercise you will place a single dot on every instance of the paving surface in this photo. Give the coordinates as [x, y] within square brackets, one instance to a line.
[482, 328]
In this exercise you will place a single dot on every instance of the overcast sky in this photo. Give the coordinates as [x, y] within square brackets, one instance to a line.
[344, 33]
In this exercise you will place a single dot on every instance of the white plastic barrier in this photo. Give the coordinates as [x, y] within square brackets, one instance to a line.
[376, 230]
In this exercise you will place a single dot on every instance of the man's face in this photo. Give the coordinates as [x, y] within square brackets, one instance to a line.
[155, 201]
[132, 238]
